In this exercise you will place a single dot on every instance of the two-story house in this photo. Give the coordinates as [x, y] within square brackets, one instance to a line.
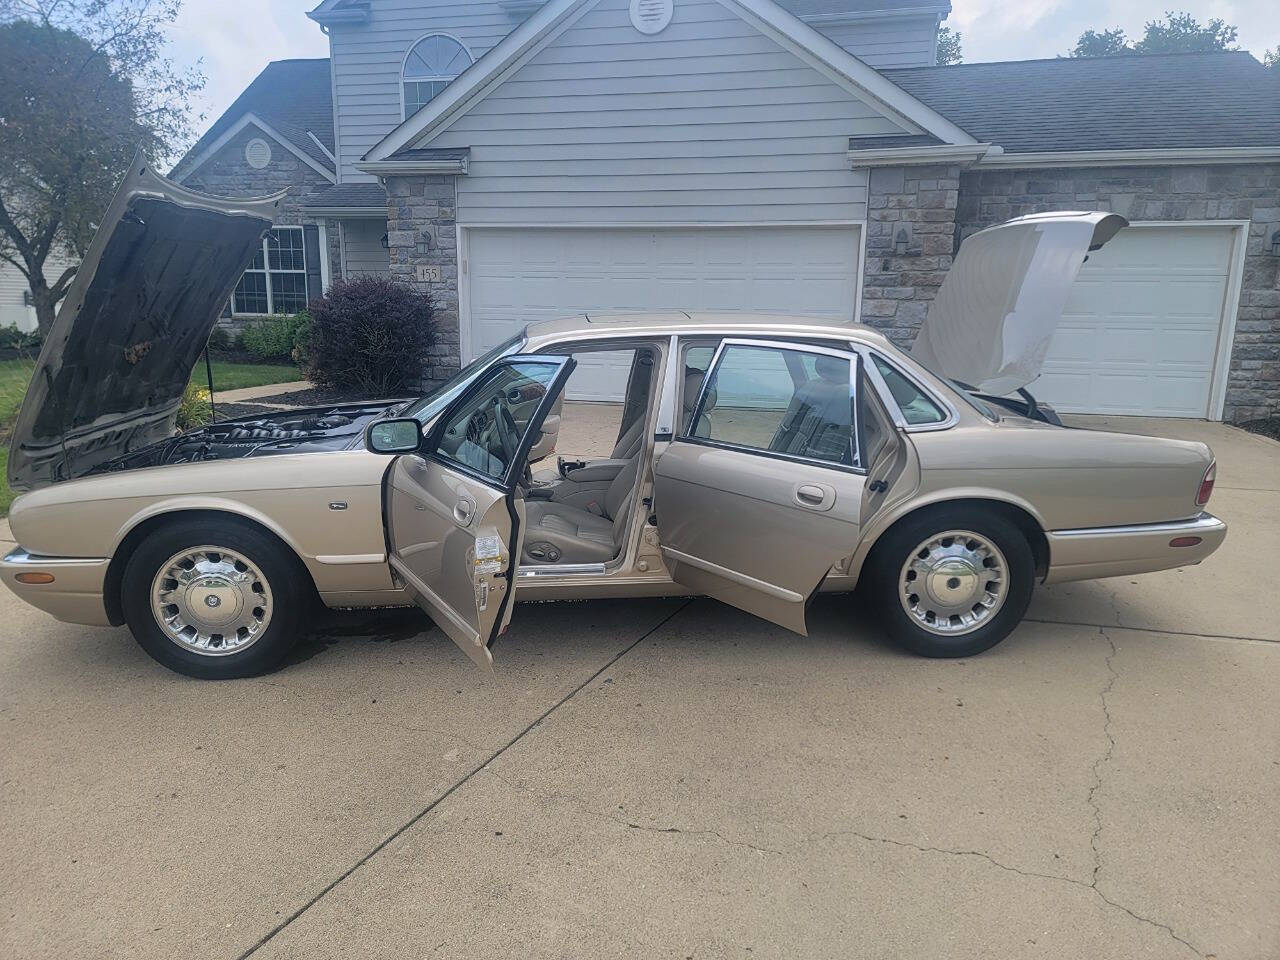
[534, 158]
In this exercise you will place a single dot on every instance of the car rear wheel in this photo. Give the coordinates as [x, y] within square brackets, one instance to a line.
[951, 582]
[214, 599]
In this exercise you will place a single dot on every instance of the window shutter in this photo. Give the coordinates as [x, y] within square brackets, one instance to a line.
[311, 243]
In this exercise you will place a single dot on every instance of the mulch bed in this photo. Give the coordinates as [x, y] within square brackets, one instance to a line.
[1266, 427]
[315, 397]
[234, 411]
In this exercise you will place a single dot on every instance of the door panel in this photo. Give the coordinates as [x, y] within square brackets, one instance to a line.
[455, 522]
[733, 526]
[438, 516]
[763, 493]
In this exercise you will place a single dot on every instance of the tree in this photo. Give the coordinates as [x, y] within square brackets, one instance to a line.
[949, 47]
[1182, 33]
[1101, 43]
[1176, 33]
[1271, 58]
[83, 85]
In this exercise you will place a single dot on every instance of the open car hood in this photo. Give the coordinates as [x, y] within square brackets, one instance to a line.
[131, 328]
[998, 307]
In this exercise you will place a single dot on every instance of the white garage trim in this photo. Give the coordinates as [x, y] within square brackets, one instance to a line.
[464, 273]
[1230, 305]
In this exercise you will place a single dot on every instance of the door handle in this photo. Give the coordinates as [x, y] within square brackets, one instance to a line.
[463, 511]
[814, 496]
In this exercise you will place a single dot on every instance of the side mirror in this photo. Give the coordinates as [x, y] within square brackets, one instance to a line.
[394, 436]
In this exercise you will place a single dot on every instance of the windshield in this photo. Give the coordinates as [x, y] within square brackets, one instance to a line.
[426, 408]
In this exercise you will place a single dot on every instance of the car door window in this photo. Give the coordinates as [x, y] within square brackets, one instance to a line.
[484, 432]
[917, 409]
[787, 401]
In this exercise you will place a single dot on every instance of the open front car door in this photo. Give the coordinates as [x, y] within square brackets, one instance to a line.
[455, 510]
[768, 485]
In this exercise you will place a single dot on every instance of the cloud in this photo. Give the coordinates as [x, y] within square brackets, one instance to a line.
[1029, 29]
[235, 39]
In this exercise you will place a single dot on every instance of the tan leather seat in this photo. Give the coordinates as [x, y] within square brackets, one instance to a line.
[559, 533]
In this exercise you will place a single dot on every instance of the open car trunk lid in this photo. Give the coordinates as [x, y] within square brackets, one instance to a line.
[995, 314]
[129, 332]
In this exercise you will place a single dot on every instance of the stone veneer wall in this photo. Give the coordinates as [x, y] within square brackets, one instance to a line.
[898, 285]
[1242, 192]
[415, 204]
[227, 174]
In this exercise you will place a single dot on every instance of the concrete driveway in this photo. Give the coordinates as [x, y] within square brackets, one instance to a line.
[672, 779]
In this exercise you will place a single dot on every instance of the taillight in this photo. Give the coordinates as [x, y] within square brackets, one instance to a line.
[1206, 485]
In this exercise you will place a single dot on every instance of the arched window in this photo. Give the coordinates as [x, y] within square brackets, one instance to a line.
[432, 63]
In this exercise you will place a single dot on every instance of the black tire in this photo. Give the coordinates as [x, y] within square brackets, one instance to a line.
[292, 596]
[881, 580]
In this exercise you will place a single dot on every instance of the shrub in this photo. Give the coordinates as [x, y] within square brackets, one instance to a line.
[196, 408]
[219, 340]
[370, 335]
[14, 339]
[276, 339]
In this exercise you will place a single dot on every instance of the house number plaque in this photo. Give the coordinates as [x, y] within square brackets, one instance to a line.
[429, 274]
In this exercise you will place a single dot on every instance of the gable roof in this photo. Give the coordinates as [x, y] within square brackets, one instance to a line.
[292, 98]
[1149, 102]
[766, 16]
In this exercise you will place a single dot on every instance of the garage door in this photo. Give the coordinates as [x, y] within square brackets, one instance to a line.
[527, 274]
[1141, 330]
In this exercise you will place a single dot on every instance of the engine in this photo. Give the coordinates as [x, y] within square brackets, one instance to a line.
[315, 430]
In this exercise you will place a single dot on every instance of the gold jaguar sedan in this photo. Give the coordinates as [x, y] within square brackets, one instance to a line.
[755, 459]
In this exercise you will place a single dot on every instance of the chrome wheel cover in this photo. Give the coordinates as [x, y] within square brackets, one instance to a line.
[953, 583]
[211, 601]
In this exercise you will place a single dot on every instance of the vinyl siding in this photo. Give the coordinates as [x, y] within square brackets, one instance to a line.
[366, 61]
[13, 312]
[901, 42]
[708, 122]
[362, 250]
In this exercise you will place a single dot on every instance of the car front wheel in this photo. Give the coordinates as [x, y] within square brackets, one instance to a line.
[951, 583]
[214, 600]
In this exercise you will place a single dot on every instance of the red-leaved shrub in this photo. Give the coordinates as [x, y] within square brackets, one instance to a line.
[369, 336]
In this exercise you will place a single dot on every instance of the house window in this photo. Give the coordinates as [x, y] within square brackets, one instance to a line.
[432, 63]
[276, 281]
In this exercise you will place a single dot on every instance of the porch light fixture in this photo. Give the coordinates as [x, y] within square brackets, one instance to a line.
[386, 242]
[424, 242]
[900, 241]
[1275, 244]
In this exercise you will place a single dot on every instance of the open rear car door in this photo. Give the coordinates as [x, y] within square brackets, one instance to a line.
[785, 458]
[455, 513]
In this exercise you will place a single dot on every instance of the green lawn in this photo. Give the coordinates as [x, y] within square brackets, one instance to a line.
[15, 374]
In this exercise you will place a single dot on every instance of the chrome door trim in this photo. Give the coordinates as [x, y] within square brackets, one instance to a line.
[1200, 523]
[855, 361]
[886, 395]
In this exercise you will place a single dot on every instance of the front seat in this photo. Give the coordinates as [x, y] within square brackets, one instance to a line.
[558, 533]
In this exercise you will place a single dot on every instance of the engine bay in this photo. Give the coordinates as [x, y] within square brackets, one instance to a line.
[313, 430]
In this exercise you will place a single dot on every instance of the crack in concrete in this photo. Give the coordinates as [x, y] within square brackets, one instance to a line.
[951, 853]
[1094, 840]
[1104, 759]
[584, 807]
[1166, 632]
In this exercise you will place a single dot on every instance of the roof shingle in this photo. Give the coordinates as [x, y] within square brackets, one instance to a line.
[1106, 103]
[294, 97]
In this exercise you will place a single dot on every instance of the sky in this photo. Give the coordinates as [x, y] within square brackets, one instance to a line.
[234, 39]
